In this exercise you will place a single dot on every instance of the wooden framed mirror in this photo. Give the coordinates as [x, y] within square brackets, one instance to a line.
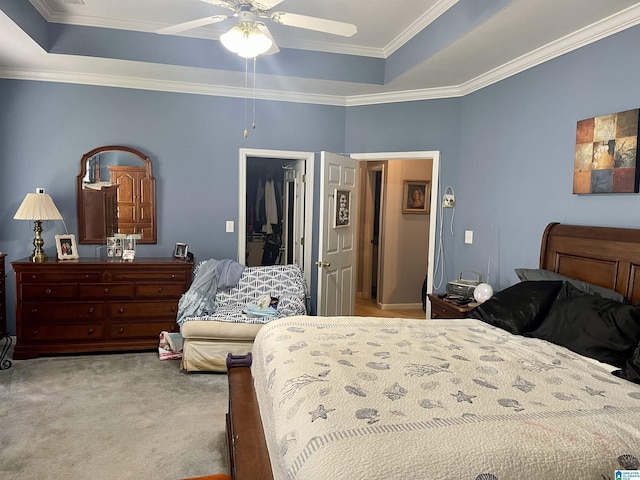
[116, 194]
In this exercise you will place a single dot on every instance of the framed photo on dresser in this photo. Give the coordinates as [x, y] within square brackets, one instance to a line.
[66, 246]
[180, 251]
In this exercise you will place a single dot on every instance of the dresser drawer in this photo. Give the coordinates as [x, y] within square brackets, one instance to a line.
[59, 277]
[48, 333]
[166, 276]
[171, 290]
[141, 329]
[44, 312]
[117, 310]
[53, 290]
[106, 290]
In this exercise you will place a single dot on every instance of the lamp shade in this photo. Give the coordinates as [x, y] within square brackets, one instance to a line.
[246, 40]
[37, 206]
[483, 292]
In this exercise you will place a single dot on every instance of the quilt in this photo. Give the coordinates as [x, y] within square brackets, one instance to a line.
[372, 398]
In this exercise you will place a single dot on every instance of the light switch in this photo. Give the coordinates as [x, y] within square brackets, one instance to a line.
[468, 237]
[229, 226]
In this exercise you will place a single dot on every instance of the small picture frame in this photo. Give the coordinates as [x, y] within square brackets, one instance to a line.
[416, 196]
[130, 243]
[114, 246]
[181, 250]
[343, 208]
[66, 246]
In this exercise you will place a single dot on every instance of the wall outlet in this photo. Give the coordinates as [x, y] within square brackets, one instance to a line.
[448, 201]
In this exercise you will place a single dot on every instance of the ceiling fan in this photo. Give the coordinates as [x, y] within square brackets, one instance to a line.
[248, 12]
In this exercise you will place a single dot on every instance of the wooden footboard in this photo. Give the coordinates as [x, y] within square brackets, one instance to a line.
[248, 454]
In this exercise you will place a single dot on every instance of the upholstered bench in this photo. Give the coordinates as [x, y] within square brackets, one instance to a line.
[208, 339]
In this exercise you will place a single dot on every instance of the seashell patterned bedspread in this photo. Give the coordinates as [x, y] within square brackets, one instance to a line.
[372, 398]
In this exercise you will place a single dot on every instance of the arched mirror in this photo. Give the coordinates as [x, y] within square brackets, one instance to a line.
[116, 194]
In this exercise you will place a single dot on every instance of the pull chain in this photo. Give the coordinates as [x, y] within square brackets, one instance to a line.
[253, 125]
[246, 87]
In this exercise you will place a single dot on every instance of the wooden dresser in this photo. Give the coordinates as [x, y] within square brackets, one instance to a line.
[88, 305]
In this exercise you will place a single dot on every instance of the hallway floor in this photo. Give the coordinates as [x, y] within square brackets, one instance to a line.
[367, 308]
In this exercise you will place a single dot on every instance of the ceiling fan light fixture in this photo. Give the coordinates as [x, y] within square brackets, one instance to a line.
[246, 40]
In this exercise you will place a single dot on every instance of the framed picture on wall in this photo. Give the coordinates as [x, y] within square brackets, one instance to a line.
[416, 196]
[343, 206]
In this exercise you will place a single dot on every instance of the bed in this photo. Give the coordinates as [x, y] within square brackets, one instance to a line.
[356, 397]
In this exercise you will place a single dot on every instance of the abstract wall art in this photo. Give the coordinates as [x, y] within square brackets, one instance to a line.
[606, 154]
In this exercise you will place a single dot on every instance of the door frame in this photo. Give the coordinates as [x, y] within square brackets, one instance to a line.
[308, 158]
[367, 189]
[434, 155]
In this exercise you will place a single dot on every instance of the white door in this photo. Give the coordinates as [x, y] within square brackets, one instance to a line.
[294, 213]
[337, 236]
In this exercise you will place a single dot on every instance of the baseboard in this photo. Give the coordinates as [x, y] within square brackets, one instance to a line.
[399, 306]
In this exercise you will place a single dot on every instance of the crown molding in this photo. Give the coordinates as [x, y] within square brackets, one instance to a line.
[418, 25]
[169, 86]
[602, 29]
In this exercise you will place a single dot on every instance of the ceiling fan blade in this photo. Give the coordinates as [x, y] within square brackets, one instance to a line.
[267, 4]
[274, 48]
[313, 23]
[221, 3]
[181, 27]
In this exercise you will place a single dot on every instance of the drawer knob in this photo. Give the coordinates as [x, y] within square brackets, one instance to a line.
[160, 290]
[48, 291]
[173, 308]
[34, 310]
[121, 310]
[121, 330]
[34, 333]
[173, 275]
[90, 309]
[91, 331]
[106, 290]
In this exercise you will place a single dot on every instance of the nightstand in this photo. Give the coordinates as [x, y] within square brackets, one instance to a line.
[441, 308]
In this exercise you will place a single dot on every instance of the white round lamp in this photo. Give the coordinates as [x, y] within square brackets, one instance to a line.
[482, 292]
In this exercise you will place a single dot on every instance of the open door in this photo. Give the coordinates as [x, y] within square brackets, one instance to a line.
[337, 235]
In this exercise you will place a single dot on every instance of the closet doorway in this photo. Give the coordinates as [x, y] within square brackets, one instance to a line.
[274, 192]
[270, 216]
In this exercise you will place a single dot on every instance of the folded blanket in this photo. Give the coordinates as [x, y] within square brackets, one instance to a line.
[259, 311]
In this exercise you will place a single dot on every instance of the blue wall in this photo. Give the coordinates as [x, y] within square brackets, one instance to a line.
[507, 150]
[517, 149]
[193, 143]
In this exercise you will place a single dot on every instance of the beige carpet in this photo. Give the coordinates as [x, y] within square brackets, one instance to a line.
[115, 416]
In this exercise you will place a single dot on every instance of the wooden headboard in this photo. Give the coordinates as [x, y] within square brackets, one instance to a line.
[605, 256]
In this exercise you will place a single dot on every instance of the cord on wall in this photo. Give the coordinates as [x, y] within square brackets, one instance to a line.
[440, 249]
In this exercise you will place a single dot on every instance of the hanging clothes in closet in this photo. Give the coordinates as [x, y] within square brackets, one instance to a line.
[265, 212]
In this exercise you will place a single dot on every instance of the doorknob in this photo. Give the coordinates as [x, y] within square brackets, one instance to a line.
[322, 264]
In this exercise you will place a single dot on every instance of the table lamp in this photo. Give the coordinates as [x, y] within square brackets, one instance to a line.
[37, 206]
